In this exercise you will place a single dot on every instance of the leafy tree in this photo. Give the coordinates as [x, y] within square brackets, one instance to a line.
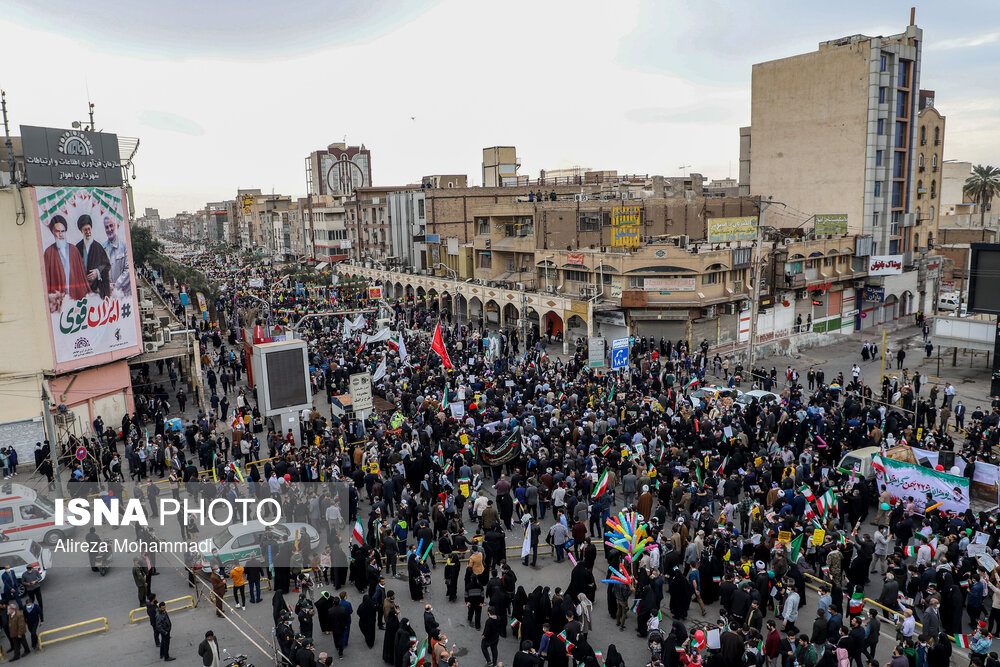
[981, 187]
[145, 246]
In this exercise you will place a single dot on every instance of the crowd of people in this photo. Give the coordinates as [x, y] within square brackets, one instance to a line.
[493, 447]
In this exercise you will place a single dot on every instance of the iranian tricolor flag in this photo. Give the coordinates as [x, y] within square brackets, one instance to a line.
[963, 641]
[445, 401]
[437, 344]
[827, 503]
[878, 465]
[359, 532]
[694, 381]
[808, 493]
[440, 456]
[421, 656]
[722, 467]
[602, 485]
[857, 604]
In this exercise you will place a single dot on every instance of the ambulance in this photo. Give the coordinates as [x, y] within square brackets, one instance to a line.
[24, 515]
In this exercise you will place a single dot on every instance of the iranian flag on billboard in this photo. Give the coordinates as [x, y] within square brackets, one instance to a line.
[88, 274]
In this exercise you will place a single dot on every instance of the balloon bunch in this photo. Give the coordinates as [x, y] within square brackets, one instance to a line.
[628, 535]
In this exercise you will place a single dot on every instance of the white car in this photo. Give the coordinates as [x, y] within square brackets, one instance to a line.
[707, 393]
[758, 396]
[239, 543]
[19, 554]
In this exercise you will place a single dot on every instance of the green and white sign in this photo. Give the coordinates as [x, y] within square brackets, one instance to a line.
[907, 479]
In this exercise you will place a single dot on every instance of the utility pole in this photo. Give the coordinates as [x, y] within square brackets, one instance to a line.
[9, 143]
[50, 432]
[756, 274]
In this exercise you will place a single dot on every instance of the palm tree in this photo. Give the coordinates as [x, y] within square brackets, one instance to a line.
[981, 187]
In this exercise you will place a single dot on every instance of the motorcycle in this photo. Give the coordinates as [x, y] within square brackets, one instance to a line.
[102, 560]
[235, 661]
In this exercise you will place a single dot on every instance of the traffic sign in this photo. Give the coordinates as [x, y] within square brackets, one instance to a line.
[81, 453]
[619, 353]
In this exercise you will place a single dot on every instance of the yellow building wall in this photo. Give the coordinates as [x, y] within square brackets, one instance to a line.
[25, 343]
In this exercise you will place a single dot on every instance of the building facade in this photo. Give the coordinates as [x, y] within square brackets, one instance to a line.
[339, 169]
[833, 131]
[930, 173]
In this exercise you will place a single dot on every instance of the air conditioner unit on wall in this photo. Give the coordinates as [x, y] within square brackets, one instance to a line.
[729, 309]
[708, 312]
[519, 286]
[149, 347]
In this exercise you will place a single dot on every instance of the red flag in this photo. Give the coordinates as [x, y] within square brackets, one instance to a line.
[438, 346]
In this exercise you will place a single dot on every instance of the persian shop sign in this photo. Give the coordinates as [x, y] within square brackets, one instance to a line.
[885, 265]
[668, 284]
[721, 230]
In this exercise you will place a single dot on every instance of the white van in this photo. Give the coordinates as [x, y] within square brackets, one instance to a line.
[948, 302]
[26, 516]
[859, 461]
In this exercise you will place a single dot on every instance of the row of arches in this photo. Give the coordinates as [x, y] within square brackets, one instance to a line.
[486, 311]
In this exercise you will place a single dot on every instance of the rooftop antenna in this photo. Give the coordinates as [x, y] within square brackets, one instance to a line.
[683, 167]
[6, 129]
[90, 107]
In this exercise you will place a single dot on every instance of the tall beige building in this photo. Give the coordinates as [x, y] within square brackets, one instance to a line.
[930, 172]
[832, 131]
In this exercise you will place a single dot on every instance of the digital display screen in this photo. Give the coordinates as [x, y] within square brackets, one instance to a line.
[984, 274]
[287, 384]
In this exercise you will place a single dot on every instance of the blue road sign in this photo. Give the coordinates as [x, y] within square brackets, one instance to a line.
[619, 353]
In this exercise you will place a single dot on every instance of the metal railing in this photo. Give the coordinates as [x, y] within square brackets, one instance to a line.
[43, 642]
[187, 600]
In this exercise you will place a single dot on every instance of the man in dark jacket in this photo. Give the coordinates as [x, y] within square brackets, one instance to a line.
[208, 649]
[163, 626]
[490, 636]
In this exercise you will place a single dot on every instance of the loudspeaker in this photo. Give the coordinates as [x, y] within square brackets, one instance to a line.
[946, 459]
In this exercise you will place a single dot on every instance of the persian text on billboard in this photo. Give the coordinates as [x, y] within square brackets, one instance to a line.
[834, 224]
[55, 156]
[625, 222]
[732, 229]
[885, 265]
[668, 284]
[88, 271]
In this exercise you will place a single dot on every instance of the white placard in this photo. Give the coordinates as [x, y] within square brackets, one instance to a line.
[361, 392]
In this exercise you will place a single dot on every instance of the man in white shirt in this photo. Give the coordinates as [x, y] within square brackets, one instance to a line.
[117, 253]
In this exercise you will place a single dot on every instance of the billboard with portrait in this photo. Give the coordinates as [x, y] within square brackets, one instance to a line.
[88, 275]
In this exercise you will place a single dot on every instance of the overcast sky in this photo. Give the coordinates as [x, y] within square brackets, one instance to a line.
[227, 94]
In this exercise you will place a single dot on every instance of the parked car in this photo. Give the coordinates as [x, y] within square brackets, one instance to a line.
[758, 396]
[19, 554]
[708, 393]
[239, 543]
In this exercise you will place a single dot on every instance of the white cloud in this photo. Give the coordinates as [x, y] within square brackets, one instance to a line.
[965, 42]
